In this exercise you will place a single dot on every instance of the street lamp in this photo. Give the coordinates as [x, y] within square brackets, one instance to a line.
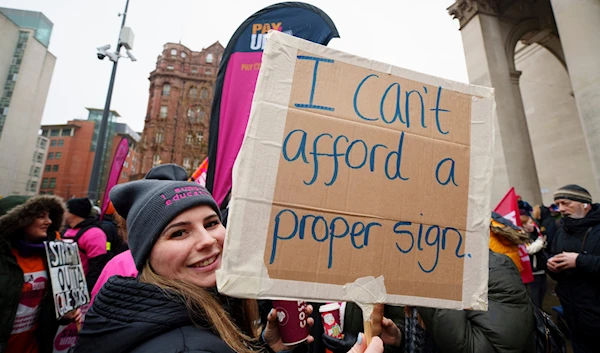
[125, 40]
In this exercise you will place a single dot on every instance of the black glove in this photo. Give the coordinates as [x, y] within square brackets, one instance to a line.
[337, 345]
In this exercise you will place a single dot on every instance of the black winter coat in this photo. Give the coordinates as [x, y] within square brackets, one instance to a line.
[579, 288]
[507, 326]
[130, 316]
[11, 275]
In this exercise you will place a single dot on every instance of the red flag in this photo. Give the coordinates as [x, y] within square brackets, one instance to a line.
[509, 209]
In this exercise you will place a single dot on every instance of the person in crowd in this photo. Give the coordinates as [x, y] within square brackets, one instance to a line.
[27, 323]
[538, 258]
[122, 264]
[507, 326]
[545, 218]
[89, 236]
[115, 244]
[176, 240]
[505, 238]
[576, 265]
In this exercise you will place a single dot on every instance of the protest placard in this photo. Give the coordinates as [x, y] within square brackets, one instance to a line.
[360, 181]
[69, 287]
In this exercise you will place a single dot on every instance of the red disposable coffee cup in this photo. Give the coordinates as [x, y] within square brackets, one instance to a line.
[330, 315]
[292, 320]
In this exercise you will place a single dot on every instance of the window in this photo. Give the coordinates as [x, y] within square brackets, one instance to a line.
[199, 136]
[54, 132]
[36, 171]
[50, 193]
[43, 143]
[44, 183]
[193, 92]
[189, 138]
[40, 158]
[126, 164]
[207, 71]
[174, 52]
[209, 58]
[183, 55]
[57, 155]
[55, 168]
[124, 175]
[48, 166]
[52, 183]
[186, 162]
[51, 155]
[166, 89]
[66, 132]
[61, 143]
[204, 93]
[156, 161]
[33, 186]
[53, 143]
[159, 137]
[170, 67]
[194, 70]
[45, 133]
[164, 110]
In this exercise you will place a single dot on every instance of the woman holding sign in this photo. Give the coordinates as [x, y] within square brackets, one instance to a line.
[176, 239]
[27, 323]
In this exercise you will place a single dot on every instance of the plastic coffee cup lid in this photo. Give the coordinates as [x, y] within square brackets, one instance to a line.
[329, 307]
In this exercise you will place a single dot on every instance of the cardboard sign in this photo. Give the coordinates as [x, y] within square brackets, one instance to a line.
[360, 181]
[66, 274]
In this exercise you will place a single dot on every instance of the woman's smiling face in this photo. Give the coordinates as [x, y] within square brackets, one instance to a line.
[190, 247]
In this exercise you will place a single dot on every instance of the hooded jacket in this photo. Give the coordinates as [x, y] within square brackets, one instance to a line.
[131, 316]
[507, 326]
[12, 225]
[579, 288]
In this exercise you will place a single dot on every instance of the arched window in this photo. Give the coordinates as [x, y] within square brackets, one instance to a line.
[209, 58]
[174, 52]
[156, 161]
[196, 114]
[166, 89]
[193, 92]
[159, 137]
[204, 93]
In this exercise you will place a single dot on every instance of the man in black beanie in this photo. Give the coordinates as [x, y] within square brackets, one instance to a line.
[576, 265]
[86, 231]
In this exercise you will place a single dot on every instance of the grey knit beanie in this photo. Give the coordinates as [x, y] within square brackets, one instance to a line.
[149, 205]
[574, 193]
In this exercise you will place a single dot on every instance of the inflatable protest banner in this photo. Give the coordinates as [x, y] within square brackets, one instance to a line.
[69, 287]
[374, 184]
[237, 78]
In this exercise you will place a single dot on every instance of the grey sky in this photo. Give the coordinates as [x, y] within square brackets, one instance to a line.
[414, 34]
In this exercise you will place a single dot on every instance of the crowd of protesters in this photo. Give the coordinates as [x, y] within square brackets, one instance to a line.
[150, 269]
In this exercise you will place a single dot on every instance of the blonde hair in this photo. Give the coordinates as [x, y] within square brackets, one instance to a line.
[204, 307]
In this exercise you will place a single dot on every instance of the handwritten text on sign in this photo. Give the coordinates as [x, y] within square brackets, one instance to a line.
[373, 167]
[66, 272]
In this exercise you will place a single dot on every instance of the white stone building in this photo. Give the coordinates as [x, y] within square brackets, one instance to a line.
[26, 68]
[541, 57]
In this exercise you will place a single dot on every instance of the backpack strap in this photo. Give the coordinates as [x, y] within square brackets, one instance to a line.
[80, 233]
[584, 239]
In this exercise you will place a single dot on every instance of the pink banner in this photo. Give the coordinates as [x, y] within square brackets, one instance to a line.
[115, 171]
[239, 84]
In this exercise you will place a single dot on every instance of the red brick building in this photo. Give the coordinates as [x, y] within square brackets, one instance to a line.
[71, 155]
[178, 115]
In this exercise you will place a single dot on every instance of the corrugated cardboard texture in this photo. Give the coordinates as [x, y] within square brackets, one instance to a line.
[352, 168]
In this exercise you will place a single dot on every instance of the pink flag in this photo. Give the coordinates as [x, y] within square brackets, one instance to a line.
[115, 171]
